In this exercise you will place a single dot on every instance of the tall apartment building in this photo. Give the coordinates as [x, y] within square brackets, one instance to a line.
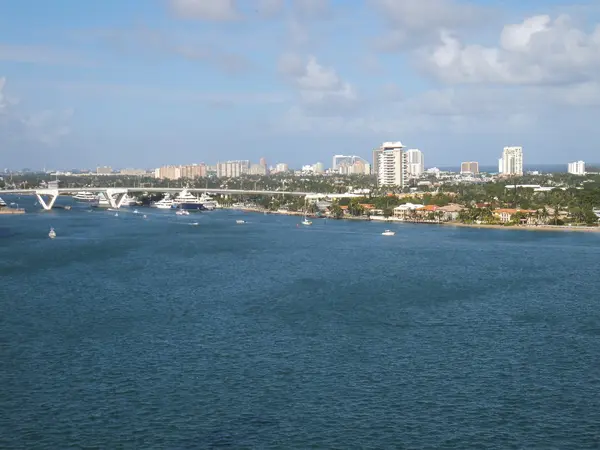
[345, 161]
[281, 168]
[258, 169]
[416, 162]
[232, 169]
[177, 172]
[470, 167]
[390, 164]
[577, 168]
[511, 162]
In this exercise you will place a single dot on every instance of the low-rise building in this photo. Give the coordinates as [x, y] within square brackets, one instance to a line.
[506, 215]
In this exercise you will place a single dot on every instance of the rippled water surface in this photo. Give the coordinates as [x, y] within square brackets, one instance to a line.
[133, 333]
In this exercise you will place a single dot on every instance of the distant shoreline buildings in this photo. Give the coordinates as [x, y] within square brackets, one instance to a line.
[511, 163]
[576, 168]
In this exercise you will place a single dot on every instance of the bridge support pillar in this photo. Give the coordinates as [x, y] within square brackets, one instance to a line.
[115, 197]
[52, 194]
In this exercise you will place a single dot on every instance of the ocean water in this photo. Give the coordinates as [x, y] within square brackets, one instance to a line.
[132, 333]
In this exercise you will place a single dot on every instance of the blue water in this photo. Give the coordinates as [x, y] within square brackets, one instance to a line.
[132, 333]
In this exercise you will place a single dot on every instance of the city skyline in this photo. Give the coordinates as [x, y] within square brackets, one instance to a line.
[170, 81]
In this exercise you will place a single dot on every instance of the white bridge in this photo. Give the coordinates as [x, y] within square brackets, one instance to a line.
[115, 196]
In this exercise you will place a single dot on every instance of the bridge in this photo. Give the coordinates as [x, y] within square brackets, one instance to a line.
[115, 196]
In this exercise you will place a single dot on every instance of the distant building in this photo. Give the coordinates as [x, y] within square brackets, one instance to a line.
[577, 168]
[281, 168]
[176, 172]
[133, 172]
[319, 168]
[416, 162]
[511, 162]
[470, 167]
[344, 160]
[232, 169]
[104, 170]
[390, 164]
[258, 169]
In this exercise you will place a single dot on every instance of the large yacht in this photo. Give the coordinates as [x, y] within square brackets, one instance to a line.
[208, 202]
[85, 197]
[187, 200]
[166, 203]
[129, 201]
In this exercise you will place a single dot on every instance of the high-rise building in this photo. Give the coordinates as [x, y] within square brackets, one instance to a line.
[390, 164]
[177, 172]
[263, 162]
[577, 168]
[281, 168]
[258, 169]
[319, 167]
[512, 161]
[416, 162]
[232, 169]
[469, 167]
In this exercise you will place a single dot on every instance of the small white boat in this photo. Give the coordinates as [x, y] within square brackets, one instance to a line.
[145, 217]
[182, 212]
[135, 211]
[388, 233]
[52, 233]
[194, 224]
[116, 214]
[240, 221]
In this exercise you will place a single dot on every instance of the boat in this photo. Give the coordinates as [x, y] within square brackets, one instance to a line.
[388, 233]
[306, 221]
[209, 203]
[188, 201]
[135, 211]
[194, 224]
[52, 233]
[240, 221]
[238, 206]
[85, 196]
[128, 201]
[166, 203]
[116, 214]
[2, 203]
[182, 212]
[145, 217]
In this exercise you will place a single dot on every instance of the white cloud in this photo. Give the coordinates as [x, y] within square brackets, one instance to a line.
[413, 22]
[209, 10]
[537, 51]
[312, 9]
[321, 90]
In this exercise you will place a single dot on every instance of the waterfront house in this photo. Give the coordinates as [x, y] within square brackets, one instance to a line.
[406, 211]
[506, 215]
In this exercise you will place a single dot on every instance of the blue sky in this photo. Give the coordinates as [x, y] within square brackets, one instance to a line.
[134, 83]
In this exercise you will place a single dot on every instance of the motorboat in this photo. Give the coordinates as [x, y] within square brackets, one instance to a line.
[2, 203]
[188, 201]
[52, 233]
[240, 221]
[85, 196]
[306, 221]
[182, 212]
[129, 201]
[388, 233]
[166, 203]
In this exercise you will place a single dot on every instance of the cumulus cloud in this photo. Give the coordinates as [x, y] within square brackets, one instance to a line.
[413, 22]
[321, 89]
[208, 10]
[537, 51]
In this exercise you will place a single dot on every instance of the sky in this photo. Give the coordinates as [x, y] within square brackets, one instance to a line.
[144, 83]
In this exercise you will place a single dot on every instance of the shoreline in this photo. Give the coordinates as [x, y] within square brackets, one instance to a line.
[580, 229]
[11, 211]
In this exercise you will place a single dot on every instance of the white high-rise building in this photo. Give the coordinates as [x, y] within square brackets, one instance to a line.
[511, 162]
[577, 168]
[390, 164]
[416, 162]
[232, 169]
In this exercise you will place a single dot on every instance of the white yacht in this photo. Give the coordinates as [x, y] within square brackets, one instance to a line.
[388, 233]
[129, 201]
[240, 222]
[52, 233]
[208, 202]
[166, 203]
[2, 202]
[85, 197]
[188, 201]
